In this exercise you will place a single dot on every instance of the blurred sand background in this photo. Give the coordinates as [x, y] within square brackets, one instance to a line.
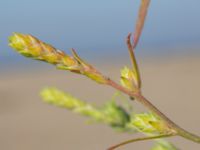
[171, 83]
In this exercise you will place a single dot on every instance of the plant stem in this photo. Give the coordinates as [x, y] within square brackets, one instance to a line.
[140, 21]
[140, 139]
[169, 122]
[140, 98]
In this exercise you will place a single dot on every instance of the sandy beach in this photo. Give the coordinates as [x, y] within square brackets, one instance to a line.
[27, 123]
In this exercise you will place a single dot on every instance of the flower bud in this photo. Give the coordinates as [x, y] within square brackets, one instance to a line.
[129, 79]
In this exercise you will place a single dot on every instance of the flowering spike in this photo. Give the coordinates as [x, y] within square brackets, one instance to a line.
[149, 123]
[110, 113]
[30, 46]
[24, 45]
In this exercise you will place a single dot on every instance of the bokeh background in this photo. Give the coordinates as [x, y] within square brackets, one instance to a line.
[168, 55]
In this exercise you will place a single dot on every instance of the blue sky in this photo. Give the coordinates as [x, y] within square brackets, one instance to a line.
[100, 26]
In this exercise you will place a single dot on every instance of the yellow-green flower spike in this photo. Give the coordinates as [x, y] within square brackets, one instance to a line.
[58, 98]
[30, 46]
[129, 79]
[110, 113]
[150, 124]
[25, 45]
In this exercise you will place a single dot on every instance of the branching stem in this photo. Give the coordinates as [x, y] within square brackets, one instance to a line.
[140, 139]
[140, 98]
